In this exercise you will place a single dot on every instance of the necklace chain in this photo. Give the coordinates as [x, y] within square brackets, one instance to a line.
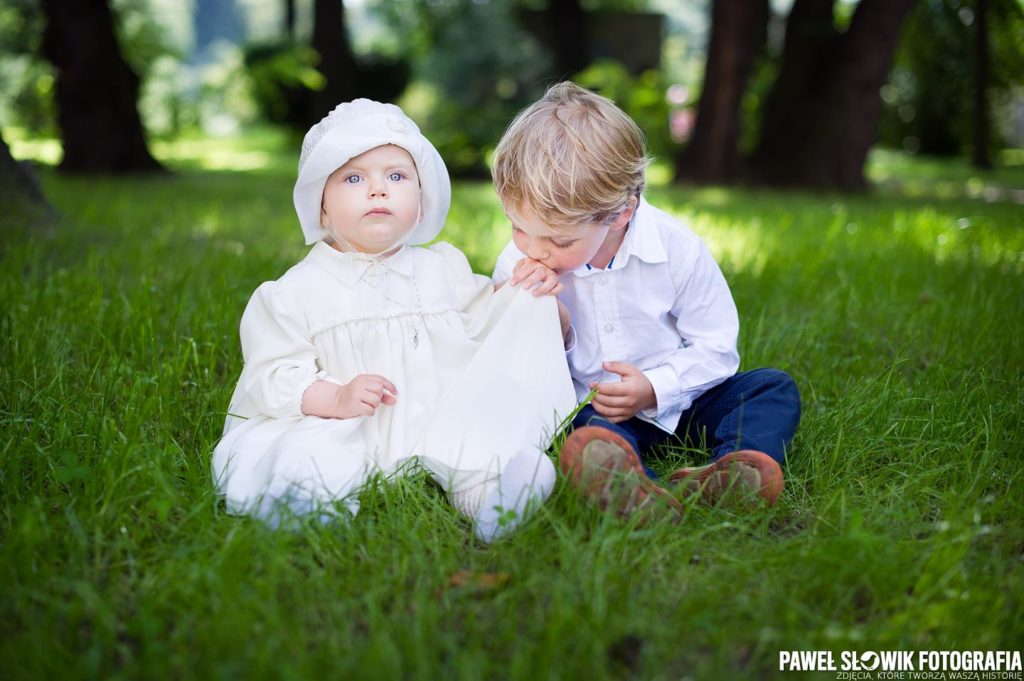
[417, 310]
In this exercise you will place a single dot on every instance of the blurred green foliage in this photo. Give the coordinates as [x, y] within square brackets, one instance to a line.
[279, 73]
[642, 97]
[474, 68]
[464, 68]
[471, 66]
[26, 98]
[928, 99]
[283, 75]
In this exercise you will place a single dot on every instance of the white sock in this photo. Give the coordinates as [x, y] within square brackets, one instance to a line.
[524, 484]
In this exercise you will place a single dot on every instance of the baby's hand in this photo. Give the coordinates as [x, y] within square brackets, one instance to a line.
[363, 394]
[622, 400]
[533, 273]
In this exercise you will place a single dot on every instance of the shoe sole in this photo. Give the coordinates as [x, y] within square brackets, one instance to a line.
[755, 472]
[606, 470]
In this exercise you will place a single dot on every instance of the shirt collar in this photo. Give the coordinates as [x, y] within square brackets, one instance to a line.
[640, 241]
[349, 268]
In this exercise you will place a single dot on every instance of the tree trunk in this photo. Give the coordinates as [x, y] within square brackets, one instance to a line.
[289, 19]
[739, 29]
[96, 90]
[980, 128]
[571, 40]
[337, 64]
[16, 184]
[19, 193]
[819, 119]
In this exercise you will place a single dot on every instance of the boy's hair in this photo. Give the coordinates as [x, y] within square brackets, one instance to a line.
[572, 156]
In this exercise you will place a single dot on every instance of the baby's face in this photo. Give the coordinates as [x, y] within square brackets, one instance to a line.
[563, 248]
[373, 200]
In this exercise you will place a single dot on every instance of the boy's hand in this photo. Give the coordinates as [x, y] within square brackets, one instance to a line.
[621, 401]
[534, 273]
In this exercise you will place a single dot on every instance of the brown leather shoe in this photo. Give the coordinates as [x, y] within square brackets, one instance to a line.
[605, 469]
[745, 474]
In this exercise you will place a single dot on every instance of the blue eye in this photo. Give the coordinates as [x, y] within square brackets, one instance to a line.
[353, 179]
[396, 176]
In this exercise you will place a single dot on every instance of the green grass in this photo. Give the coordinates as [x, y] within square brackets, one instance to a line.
[902, 523]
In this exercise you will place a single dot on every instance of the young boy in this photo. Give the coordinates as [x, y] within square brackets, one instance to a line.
[654, 326]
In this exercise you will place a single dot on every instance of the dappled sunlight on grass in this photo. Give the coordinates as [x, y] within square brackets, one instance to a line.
[208, 223]
[266, 150]
[261, 150]
[737, 246]
[947, 178]
[1012, 157]
[745, 227]
[202, 155]
[960, 238]
[719, 197]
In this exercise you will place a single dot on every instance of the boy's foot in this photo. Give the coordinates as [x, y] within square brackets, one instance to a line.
[745, 474]
[606, 470]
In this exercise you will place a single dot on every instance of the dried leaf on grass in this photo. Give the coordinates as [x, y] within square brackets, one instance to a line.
[478, 582]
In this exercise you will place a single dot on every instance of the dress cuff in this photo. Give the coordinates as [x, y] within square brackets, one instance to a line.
[323, 376]
[308, 383]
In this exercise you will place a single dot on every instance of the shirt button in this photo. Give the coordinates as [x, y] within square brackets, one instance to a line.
[603, 279]
[609, 327]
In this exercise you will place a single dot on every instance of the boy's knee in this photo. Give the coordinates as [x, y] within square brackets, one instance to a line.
[587, 416]
[778, 380]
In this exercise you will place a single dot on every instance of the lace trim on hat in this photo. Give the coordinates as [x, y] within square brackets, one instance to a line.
[395, 120]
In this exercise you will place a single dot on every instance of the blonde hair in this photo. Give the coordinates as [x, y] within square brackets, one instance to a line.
[573, 157]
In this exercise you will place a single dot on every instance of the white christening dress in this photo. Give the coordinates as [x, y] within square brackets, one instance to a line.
[481, 376]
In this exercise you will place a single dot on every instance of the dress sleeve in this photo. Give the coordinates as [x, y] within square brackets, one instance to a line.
[470, 289]
[708, 325]
[279, 356]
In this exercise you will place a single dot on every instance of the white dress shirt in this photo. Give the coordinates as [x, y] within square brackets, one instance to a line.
[661, 305]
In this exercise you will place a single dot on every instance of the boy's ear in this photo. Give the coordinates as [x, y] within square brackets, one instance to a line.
[627, 214]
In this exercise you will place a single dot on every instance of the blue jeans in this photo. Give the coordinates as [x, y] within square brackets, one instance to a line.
[757, 409]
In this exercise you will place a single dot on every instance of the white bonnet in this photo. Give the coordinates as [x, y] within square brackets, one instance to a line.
[356, 127]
